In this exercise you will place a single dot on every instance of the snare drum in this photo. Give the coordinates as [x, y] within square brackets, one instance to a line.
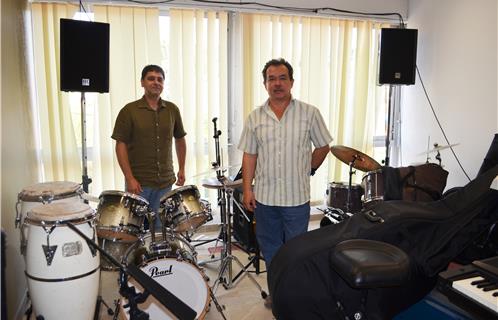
[170, 262]
[183, 210]
[62, 270]
[46, 192]
[120, 216]
[373, 183]
[169, 244]
[337, 196]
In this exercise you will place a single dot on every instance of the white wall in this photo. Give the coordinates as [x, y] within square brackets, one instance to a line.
[457, 59]
[17, 155]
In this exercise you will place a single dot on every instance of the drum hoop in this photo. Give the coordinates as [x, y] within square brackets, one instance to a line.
[343, 185]
[142, 242]
[89, 217]
[61, 279]
[373, 172]
[120, 229]
[123, 194]
[179, 190]
[53, 197]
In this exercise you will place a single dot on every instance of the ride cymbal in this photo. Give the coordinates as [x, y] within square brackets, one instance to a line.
[358, 159]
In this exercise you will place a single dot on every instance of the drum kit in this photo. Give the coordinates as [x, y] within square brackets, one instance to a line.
[63, 240]
[345, 199]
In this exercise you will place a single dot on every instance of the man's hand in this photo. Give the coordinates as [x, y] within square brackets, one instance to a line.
[249, 200]
[133, 186]
[180, 178]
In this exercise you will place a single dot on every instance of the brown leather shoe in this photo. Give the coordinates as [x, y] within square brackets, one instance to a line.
[268, 302]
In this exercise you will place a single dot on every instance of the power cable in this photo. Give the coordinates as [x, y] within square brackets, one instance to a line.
[439, 123]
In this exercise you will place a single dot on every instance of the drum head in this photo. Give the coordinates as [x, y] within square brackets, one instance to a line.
[185, 189]
[60, 211]
[123, 194]
[55, 189]
[182, 279]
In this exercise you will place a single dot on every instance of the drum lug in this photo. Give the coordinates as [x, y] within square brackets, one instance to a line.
[46, 197]
[48, 249]
[24, 243]
[18, 213]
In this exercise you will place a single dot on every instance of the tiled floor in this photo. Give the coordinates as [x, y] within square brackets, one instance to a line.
[242, 301]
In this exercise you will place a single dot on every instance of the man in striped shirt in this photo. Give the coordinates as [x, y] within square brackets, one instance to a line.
[276, 142]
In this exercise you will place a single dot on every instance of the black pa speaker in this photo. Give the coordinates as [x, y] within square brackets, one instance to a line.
[398, 56]
[84, 56]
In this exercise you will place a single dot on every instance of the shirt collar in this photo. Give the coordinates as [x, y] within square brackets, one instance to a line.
[144, 105]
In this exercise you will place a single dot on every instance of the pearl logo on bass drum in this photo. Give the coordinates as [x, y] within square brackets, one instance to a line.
[155, 272]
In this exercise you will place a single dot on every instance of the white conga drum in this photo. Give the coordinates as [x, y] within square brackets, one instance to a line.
[62, 269]
[46, 192]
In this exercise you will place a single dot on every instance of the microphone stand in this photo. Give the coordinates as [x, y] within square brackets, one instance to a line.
[164, 296]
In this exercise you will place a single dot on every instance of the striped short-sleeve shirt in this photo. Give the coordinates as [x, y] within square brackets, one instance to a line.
[283, 149]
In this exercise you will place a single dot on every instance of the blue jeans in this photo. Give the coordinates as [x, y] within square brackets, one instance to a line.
[154, 197]
[277, 225]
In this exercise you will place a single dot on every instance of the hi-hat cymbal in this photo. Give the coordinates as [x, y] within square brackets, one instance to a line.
[438, 148]
[360, 160]
[215, 183]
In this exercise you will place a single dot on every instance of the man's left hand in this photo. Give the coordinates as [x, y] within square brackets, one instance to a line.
[180, 178]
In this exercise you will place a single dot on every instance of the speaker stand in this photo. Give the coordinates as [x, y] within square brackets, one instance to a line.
[85, 179]
[389, 120]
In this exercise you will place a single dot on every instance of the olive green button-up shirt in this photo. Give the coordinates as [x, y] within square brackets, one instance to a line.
[148, 135]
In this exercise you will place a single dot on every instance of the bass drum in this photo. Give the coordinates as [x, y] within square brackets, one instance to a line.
[337, 196]
[171, 263]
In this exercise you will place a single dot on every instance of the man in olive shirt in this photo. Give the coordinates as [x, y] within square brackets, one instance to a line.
[144, 131]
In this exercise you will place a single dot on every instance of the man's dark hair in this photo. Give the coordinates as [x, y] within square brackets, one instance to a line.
[151, 67]
[278, 62]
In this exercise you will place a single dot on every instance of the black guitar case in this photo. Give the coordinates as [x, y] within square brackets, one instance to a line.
[304, 285]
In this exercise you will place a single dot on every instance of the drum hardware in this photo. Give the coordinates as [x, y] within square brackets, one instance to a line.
[225, 198]
[166, 298]
[436, 149]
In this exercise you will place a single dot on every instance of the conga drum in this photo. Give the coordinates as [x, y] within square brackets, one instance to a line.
[62, 269]
[46, 192]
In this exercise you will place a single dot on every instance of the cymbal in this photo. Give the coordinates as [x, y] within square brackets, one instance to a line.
[214, 183]
[438, 148]
[361, 161]
[216, 168]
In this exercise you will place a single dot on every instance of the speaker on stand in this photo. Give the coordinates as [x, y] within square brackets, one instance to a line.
[84, 67]
[84, 59]
[397, 65]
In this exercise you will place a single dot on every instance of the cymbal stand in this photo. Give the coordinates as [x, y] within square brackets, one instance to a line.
[225, 271]
[351, 172]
